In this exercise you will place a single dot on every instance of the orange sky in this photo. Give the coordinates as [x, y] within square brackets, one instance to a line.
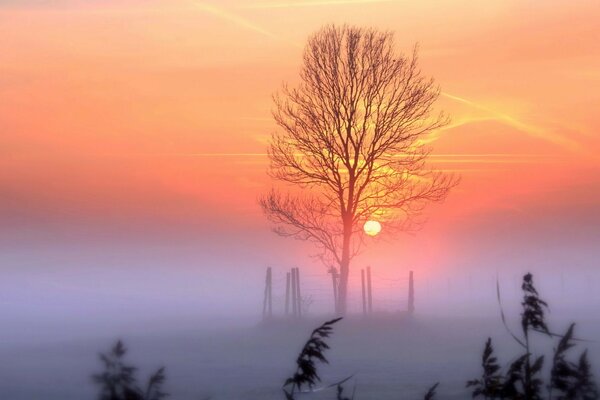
[152, 117]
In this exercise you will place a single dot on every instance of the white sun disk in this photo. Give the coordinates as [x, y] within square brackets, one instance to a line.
[372, 228]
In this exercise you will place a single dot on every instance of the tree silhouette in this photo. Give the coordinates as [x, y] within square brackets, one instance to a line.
[353, 131]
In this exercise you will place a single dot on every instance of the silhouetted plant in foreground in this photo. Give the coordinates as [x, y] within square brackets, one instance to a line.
[340, 393]
[571, 380]
[563, 372]
[522, 380]
[430, 395]
[490, 382]
[118, 380]
[306, 372]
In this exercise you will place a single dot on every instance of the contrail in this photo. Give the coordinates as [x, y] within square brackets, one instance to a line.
[312, 3]
[531, 129]
[228, 16]
[239, 21]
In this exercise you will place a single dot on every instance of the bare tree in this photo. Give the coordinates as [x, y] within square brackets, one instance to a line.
[353, 132]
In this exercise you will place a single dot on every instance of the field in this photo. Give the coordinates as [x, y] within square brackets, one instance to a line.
[390, 357]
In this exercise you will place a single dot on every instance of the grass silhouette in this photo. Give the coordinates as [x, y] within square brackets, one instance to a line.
[306, 363]
[520, 379]
[118, 380]
[523, 377]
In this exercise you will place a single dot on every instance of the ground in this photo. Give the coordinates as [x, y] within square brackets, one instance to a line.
[390, 357]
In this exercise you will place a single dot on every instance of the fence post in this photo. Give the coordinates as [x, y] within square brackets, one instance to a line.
[294, 296]
[369, 293]
[364, 296]
[299, 301]
[287, 293]
[266, 293]
[411, 294]
[270, 287]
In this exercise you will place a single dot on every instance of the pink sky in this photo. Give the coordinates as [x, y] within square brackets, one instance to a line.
[146, 123]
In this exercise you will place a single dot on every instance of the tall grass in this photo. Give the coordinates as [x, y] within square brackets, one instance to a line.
[118, 380]
[522, 378]
[306, 374]
[570, 378]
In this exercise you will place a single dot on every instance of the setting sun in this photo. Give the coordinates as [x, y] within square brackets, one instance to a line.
[372, 228]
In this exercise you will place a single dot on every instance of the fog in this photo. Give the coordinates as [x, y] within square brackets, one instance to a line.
[198, 311]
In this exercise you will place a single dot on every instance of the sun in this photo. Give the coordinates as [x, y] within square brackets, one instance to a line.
[372, 228]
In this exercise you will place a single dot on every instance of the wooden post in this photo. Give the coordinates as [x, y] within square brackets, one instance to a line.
[411, 294]
[270, 293]
[364, 295]
[299, 301]
[294, 296]
[266, 294]
[334, 277]
[287, 293]
[369, 293]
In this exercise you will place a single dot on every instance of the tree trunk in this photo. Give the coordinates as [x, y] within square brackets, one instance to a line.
[334, 278]
[343, 288]
[344, 269]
